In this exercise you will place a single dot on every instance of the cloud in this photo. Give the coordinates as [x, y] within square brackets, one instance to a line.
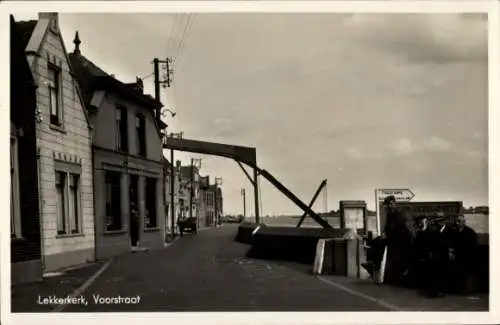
[478, 135]
[438, 144]
[403, 147]
[435, 38]
[355, 153]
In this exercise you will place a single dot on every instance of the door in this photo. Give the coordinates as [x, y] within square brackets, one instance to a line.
[134, 210]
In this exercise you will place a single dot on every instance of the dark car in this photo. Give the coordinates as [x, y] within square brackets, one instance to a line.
[188, 225]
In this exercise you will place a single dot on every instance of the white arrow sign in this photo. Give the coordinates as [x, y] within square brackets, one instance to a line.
[401, 195]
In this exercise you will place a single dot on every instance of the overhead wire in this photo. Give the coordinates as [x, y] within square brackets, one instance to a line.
[185, 34]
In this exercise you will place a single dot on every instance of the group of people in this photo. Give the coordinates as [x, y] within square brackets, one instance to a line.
[433, 253]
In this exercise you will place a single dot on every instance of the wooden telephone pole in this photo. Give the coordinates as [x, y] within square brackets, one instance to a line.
[165, 83]
[244, 203]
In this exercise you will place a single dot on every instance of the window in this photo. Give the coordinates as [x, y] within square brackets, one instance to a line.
[61, 202]
[150, 220]
[140, 126]
[113, 201]
[54, 96]
[15, 208]
[68, 203]
[121, 129]
[210, 199]
[74, 203]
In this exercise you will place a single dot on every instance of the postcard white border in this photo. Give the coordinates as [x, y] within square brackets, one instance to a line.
[490, 7]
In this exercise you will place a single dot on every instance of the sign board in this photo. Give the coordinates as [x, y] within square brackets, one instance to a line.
[401, 195]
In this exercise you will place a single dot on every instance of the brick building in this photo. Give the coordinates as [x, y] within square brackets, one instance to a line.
[63, 149]
[26, 259]
[128, 160]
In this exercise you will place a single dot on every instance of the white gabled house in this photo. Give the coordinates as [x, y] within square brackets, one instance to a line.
[63, 136]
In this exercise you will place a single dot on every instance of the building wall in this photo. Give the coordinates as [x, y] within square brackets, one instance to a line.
[104, 129]
[70, 144]
[168, 217]
[25, 252]
[111, 243]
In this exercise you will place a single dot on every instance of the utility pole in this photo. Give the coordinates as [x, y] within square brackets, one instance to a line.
[165, 83]
[244, 203]
[191, 189]
[218, 181]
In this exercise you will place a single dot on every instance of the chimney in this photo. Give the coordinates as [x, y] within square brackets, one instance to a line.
[53, 17]
[140, 85]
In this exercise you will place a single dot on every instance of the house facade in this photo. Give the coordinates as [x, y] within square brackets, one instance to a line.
[128, 165]
[190, 178]
[213, 197]
[26, 251]
[202, 201]
[168, 198]
[63, 149]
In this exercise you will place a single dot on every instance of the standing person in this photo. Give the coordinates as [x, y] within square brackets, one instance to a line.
[437, 255]
[395, 234]
[463, 248]
[420, 251]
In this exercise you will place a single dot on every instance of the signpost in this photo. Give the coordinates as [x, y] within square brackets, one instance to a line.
[401, 195]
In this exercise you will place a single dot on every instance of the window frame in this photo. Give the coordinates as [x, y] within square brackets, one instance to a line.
[15, 195]
[140, 130]
[151, 185]
[110, 178]
[54, 85]
[121, 132]
[71, 222]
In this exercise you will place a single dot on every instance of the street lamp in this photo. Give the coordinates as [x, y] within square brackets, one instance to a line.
[172, 113]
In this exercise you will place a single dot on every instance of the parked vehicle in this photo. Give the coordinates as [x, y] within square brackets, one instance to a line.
[188, 225]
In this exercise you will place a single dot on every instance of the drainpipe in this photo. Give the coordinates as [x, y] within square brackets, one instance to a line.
[40, 214]
[92, 155]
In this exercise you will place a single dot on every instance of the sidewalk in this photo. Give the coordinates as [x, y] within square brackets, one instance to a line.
[24, 297]
[405, 299]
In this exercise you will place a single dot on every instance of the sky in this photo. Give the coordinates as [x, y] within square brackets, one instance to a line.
[363, 100]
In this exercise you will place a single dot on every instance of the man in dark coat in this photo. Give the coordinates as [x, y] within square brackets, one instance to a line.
[437, 256]
[463, 248]
[420, 250]
[398, 238]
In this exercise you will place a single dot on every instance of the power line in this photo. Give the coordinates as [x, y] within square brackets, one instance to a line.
[148, 75]
[173, 30]
[184, 37]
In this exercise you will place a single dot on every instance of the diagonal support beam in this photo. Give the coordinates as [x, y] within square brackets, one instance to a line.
[246, 173]
[318, 191]
[294, 199]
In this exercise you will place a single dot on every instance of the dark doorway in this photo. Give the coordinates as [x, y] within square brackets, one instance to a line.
[134, 210]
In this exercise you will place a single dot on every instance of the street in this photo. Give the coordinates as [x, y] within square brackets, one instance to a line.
[209, 272]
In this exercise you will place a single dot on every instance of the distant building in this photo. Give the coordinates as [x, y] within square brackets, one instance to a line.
[202, 202]
[190, 179]
[168, 198]
[128, 159]
[214, 205]
[63, 149]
